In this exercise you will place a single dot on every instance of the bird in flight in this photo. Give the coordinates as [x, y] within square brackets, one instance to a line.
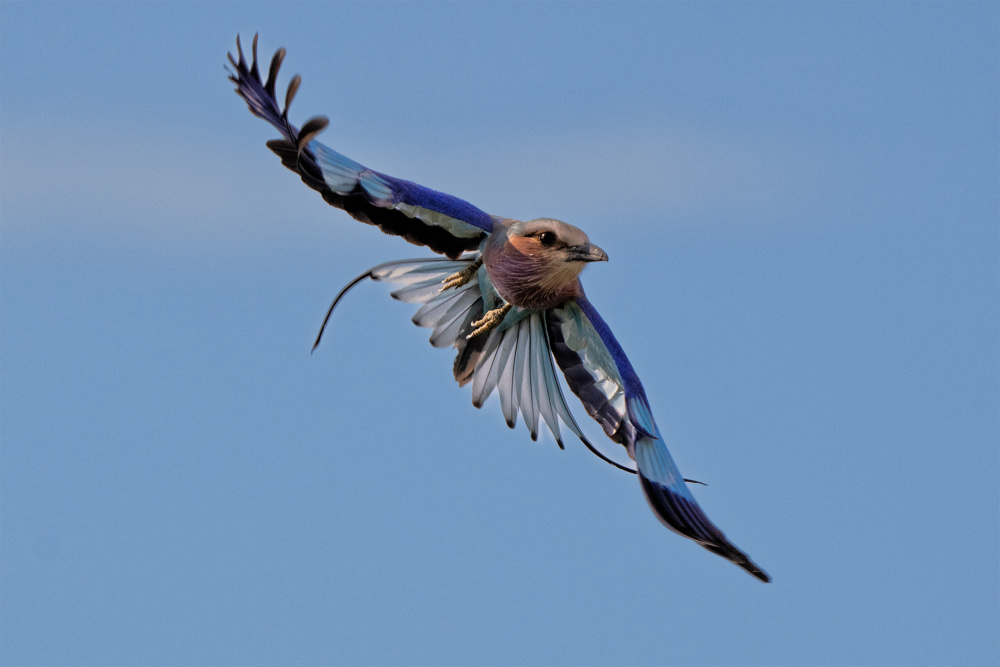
[506, 295]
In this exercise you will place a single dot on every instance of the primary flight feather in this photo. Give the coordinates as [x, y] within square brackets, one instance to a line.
[507, 296]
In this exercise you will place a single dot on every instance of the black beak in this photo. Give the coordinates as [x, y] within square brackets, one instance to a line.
[588, 252]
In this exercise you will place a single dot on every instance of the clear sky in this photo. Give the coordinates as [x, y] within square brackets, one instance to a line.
[800, 202]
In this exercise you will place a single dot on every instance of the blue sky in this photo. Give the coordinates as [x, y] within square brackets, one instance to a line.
[800, 202]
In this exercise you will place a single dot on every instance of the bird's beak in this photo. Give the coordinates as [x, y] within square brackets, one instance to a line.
[588, 252]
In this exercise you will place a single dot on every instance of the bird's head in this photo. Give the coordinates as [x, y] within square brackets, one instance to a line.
[554, 242]
[535, 264]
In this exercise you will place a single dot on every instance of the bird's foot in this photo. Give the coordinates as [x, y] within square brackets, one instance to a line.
[462, 277]
[490, 320]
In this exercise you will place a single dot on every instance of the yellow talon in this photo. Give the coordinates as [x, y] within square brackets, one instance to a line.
[462, 277]
[490, 320]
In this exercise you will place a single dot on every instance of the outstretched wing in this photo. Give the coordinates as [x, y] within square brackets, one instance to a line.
[600, 374]
[446, 224]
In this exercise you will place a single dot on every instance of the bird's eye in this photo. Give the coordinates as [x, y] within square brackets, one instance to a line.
[547, 239]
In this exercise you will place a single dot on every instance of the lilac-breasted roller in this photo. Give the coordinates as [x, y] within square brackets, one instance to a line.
[507, 296]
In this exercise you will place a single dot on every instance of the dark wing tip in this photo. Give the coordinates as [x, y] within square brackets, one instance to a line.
[685, 517]
[272, 72]
[253, 50]
[258, 95]
[737, 557]
[293, 87]
[759, 573]
[729, 551]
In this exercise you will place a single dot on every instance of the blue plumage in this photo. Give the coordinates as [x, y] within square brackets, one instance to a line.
[509, 301]
[633, 386]
[410, 193]
[422, 216]
[344, 176]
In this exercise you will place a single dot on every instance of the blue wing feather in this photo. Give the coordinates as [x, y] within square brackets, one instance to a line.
[344, 176]
[600, 374]
[422, 216]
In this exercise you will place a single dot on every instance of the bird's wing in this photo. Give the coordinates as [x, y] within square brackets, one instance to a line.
[513, 359]
[599, 373]
[446, 224]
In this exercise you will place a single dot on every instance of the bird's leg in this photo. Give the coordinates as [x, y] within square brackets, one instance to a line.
[490, 320]
[462, 277]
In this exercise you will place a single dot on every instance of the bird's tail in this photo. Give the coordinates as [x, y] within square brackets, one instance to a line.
[514, 360]
[674, 505]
